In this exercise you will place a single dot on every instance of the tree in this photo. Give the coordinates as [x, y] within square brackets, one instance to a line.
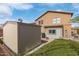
[75, 19]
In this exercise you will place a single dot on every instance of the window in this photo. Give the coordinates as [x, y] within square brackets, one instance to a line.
[56, 20]
[52, 31]
[41, 22]
[43, 35]
[65, 30]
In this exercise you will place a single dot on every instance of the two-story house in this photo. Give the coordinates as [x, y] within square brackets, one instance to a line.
[55, 24]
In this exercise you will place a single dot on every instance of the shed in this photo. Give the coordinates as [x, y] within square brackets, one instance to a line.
[21, 37]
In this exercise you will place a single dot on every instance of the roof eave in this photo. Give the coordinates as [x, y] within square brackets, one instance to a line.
[54, 12]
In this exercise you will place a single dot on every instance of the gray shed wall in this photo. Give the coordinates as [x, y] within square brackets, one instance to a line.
[29, 36]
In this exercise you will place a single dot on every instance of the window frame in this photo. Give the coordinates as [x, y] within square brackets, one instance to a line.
[52, 31]
[56, 20]
[41, 22]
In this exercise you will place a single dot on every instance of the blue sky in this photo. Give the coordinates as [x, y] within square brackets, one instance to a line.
[31, 11]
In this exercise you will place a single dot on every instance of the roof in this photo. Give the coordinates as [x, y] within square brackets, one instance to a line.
[63, 12]
[20, 23]
[8, 22]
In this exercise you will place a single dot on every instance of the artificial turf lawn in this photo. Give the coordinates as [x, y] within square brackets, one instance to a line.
[59, 47]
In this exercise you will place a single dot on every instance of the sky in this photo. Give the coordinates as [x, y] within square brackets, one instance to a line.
[31, 11]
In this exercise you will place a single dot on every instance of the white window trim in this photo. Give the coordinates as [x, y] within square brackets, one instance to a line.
[56, 20]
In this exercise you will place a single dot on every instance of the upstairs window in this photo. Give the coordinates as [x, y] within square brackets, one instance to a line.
[56, 20]
[41, 22]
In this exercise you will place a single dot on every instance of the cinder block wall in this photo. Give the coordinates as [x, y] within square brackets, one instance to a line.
[29, 36]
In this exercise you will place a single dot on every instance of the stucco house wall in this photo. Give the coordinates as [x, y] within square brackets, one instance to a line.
[59, 30]
[50, 15]
[75, 30]
[67, 31]
[78, 30]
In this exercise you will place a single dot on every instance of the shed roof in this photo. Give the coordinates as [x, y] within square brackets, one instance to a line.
[20, 23]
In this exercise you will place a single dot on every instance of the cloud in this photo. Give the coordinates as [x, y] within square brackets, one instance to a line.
[51, 4]
[27, 21]
[2, 21]
[59, 10]
[7, 9]
[43, 9]
[21, 6]
[48, 4]
[75, 5]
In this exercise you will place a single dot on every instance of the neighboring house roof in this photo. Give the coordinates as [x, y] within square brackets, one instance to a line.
[75, 27]
[55, 12]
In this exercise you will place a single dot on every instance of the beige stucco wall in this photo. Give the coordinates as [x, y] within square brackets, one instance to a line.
[28, 37]
[10, 36]
[78, 31]
[67, 31]
[75, 31]
[48, 17]
[52, 36]
[65, 21]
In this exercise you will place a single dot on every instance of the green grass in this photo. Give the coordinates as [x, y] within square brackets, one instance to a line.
[59, 47]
